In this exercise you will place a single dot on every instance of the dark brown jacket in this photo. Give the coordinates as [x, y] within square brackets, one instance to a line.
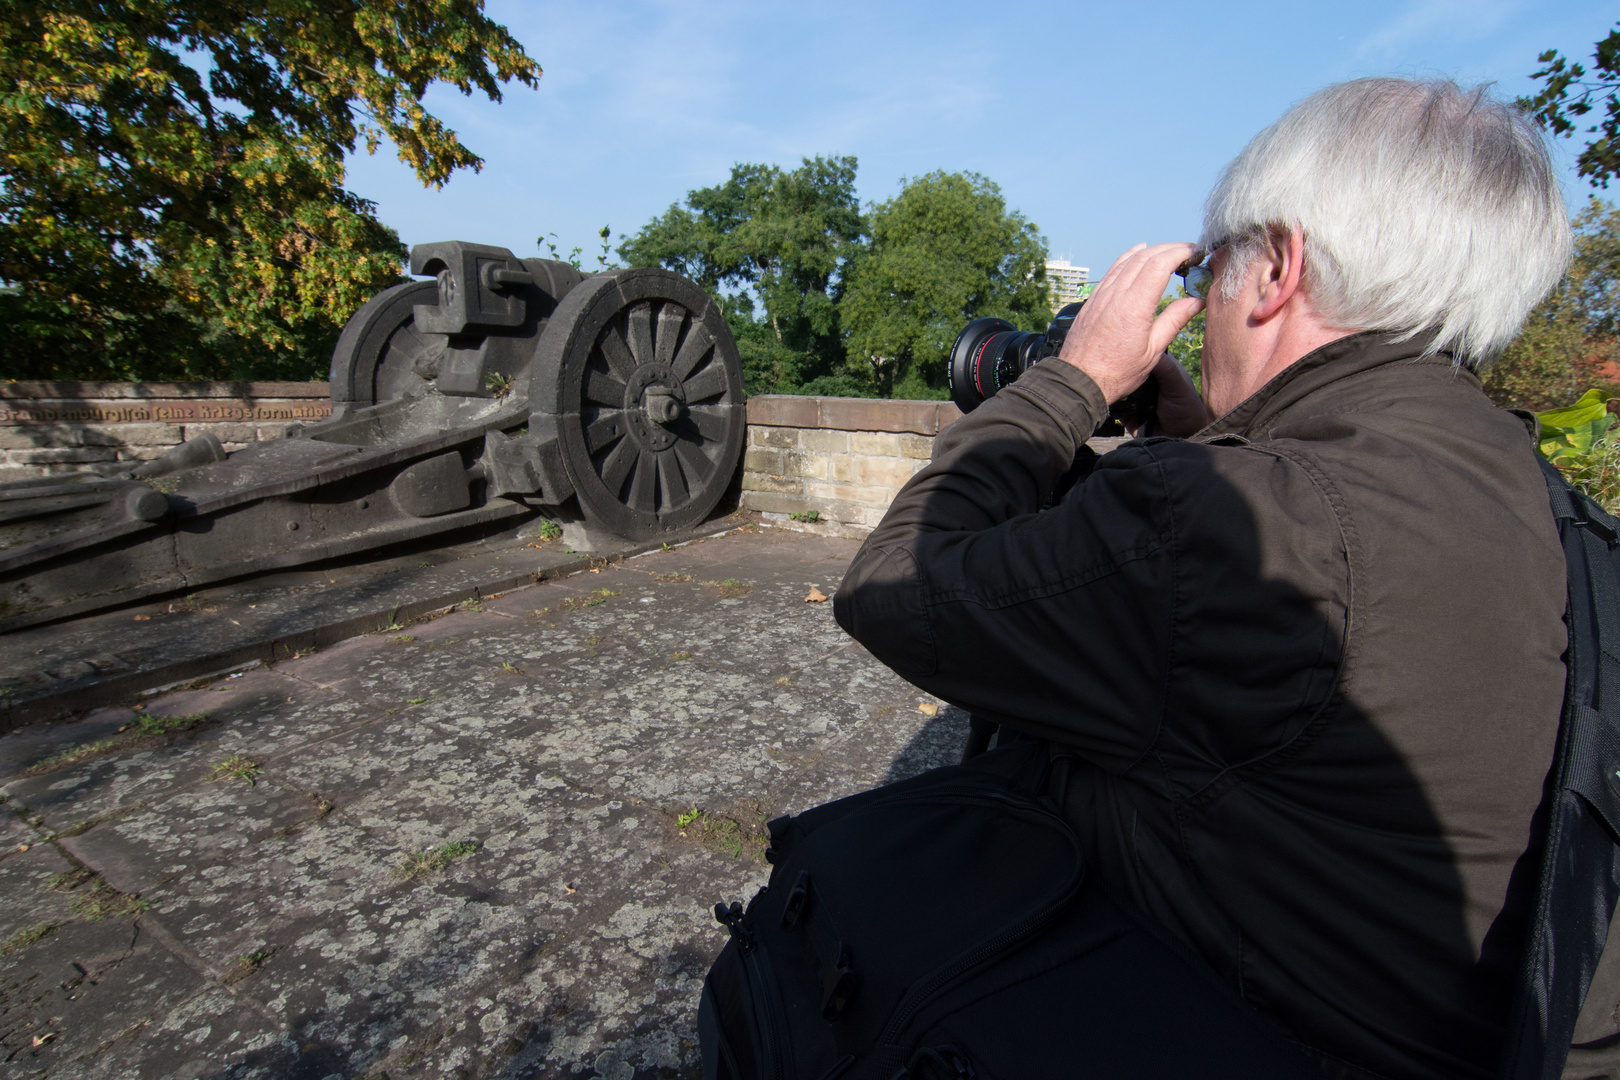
[1302, 675]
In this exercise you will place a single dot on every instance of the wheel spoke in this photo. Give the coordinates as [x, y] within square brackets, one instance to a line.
[708, 383]
[694, 462]
[616, 466]
[673, 480]
[711, 421]
[602, 388]
[696, 346]
[670, 319]
[638, 327]
[616, 353]
[603, 431]
[644, 488]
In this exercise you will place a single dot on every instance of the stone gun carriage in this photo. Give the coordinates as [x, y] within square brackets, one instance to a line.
[498, 390]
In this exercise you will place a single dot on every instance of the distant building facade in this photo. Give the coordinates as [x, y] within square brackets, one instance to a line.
[1069, 283]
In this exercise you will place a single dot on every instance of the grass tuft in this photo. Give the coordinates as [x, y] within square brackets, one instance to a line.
[730, 587]
[105, 902]
[23, 939]
[432, 860]
[237, 767]
[140, 733]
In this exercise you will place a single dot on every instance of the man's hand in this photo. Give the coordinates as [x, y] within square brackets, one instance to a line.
[1181, 411]
[1116, 339]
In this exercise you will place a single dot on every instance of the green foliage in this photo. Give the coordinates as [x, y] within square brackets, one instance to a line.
[171, 174]
[603, 262]
[944, 251]
[1188, 346]
[1568, 96]
[782, 236]
[1569, 337]
[1573, 432]
[688, 817]
[1584, 443]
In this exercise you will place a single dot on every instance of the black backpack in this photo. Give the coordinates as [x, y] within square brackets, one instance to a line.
[939, 927]
[942, 927]
[1580, 869]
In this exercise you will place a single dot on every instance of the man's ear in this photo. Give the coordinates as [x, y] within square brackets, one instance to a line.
[1281, 262]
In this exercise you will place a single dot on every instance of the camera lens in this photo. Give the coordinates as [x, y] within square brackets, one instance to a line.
[988, 355]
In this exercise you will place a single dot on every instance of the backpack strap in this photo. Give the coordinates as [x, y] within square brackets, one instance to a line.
[1580, 869]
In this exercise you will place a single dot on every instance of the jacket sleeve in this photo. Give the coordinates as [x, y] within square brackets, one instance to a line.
[1056, 622]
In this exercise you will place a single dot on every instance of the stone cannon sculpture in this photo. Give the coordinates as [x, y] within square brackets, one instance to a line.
[498, 389]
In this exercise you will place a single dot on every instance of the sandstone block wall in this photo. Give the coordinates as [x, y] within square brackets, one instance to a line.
[54, 427]
[844, 458]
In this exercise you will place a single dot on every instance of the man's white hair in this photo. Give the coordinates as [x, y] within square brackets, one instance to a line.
[1423, 207]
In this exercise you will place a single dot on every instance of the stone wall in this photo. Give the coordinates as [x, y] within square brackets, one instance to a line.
[51, 427]
[844, 458]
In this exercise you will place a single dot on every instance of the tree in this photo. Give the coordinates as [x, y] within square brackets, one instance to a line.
[1568, 95]
[942, 252]
[780, 235]
[171, 172]
[1569, 339]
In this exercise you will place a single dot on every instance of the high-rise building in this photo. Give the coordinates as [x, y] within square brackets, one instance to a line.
[1069, 283]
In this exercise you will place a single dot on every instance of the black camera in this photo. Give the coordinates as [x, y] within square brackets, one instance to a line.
[990, 353]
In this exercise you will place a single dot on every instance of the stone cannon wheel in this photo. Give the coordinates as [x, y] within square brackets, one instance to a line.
[381, 355]
[639, 377]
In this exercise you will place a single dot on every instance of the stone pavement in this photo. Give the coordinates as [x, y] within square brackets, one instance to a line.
[486, 845]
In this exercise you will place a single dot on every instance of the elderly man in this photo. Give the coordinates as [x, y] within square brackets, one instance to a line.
[1297, 659]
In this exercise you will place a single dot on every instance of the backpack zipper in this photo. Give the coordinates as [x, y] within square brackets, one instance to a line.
[736, 921]
[774, 1068]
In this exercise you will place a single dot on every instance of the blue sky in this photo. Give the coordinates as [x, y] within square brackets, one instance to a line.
[1105, 124]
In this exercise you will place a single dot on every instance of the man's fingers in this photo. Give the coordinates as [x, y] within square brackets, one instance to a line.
[1156, 262]
[1171, 321]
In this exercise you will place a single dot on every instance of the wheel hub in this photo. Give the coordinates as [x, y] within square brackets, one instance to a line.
[653, 399]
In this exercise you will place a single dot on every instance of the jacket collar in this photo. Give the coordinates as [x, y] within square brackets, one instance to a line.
[1320, 368]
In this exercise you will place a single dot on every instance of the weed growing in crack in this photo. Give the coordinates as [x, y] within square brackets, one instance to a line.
[20, 941]
[676, 579]
[143, 732]
[550, 530]
[509, 668]
[74, 754]
[105, 902]
[578, 603]
[739, 832]
[246, 965]
[432, 860]
[237, 767]
[416, 701]
[167, 725]
[69, 880]
[402, 639]
[730, 587]
[680, 656]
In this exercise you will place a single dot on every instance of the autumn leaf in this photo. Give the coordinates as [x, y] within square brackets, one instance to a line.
[816, 596]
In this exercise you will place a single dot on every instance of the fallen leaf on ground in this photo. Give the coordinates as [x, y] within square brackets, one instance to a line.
[928, 708]
[816, 596]
[143, 618]
[41, 1040]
